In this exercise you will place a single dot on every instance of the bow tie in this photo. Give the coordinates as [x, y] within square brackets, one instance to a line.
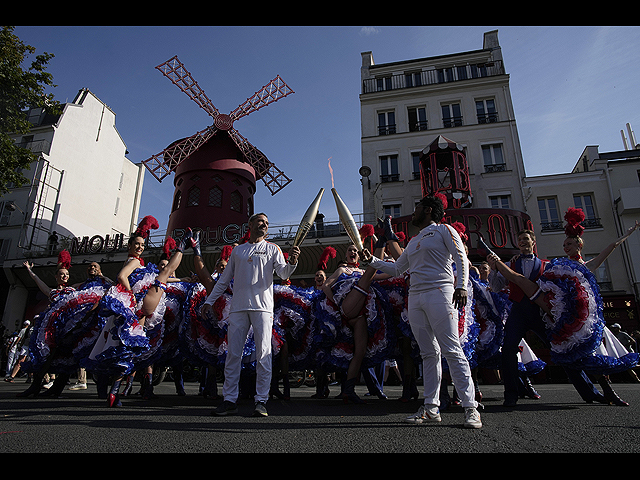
[527, 255]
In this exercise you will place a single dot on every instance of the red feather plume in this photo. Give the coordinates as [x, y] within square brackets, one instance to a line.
[327, 253]
[64, 259]
[366, 230]
[461, 229]
[245, 239]
[226, 252]
[147, 224]
[443, 199]
[169, 245]
[574, 216]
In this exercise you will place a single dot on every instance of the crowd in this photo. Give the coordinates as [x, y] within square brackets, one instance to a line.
[420, 307]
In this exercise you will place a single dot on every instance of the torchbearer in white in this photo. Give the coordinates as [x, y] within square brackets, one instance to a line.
[251, 267]
[434, 297]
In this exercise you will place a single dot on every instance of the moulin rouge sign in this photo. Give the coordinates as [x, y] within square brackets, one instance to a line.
[114, 243]
[498, 227]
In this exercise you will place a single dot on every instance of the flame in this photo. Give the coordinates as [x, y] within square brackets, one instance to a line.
[331, 171]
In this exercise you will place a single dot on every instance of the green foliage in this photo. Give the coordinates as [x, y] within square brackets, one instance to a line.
[20, 90]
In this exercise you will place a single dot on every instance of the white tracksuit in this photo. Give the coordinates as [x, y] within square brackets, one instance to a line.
[251, 267]
[433, 318]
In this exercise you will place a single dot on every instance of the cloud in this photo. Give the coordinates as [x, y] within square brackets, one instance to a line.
[369, 31]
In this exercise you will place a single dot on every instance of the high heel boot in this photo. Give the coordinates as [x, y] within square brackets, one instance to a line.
[148, 387]
[34, 388]
[609, 393]
[113, 399]
[58, 386]
[194, 242]
[349, 392]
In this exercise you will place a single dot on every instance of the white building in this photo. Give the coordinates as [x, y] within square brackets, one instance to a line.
[607, 188]
[82, 185]
[406, 105]
[465, 97]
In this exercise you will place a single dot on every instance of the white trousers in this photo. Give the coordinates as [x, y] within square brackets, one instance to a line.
[434, 323]
[239, 324]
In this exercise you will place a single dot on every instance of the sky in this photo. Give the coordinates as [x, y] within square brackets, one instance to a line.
[571, 87]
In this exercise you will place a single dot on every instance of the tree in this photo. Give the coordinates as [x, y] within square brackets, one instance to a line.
[20, 90]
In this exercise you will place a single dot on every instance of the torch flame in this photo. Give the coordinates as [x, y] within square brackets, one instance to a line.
[331, 171]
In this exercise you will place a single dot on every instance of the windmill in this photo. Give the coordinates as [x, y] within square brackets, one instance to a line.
[216, 168]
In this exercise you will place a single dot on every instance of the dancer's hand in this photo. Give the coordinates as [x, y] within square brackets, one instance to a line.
[459, 298]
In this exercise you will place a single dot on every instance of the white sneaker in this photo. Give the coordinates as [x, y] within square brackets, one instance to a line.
[78, 386]
[424, 415]
[472, 418]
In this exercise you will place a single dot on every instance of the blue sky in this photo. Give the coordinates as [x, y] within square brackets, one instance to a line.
[571, 87]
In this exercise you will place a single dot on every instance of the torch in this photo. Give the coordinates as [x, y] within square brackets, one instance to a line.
[347, 221]
[307, 220]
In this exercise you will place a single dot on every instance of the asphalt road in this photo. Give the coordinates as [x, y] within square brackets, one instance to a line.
[77, 422]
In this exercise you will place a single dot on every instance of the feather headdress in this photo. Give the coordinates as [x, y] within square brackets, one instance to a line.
[64, 259]
[169, 245]
[327, 253]
[461, 229]
[226, 252]
[574, 217]
[145, 226]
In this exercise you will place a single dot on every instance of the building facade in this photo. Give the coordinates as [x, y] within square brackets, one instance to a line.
[406, 105]
[83, 195]
[607, 188]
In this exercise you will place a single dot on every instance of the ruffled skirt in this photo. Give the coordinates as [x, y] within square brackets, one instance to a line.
[576, 328]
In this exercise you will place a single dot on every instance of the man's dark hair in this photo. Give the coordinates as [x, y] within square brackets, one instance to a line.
[437, 208]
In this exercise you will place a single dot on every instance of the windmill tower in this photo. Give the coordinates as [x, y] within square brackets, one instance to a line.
[216, 168]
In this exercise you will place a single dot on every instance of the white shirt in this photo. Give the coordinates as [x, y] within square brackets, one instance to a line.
[428, 257]
[251, 267]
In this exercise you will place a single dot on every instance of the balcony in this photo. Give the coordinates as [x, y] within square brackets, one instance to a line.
[558, 226]
[431, 77]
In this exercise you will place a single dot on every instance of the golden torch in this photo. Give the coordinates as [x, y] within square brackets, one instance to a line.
[307, 220]
[347, 221]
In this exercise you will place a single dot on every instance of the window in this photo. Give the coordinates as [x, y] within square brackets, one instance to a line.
[548, 209]
[417, 119]
[445, 75]
[386, 123]
[389, 169]
[412, 79]
[585, 202]
[193, 197]
[486, 111]
[383, 84]
[415, 162]
[451, 115]
[215, 197]
[462, 72]
[236, 201]
[478, 71]
[493, 158]
[500, 201]
[5, 213]
[393, 210]
[176, 200]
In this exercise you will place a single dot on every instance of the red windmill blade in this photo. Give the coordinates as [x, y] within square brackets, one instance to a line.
[163, 163]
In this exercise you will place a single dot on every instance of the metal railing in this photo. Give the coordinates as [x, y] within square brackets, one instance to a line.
[431, 77]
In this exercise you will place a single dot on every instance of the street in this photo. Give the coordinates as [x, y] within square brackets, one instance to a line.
[79, 422]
